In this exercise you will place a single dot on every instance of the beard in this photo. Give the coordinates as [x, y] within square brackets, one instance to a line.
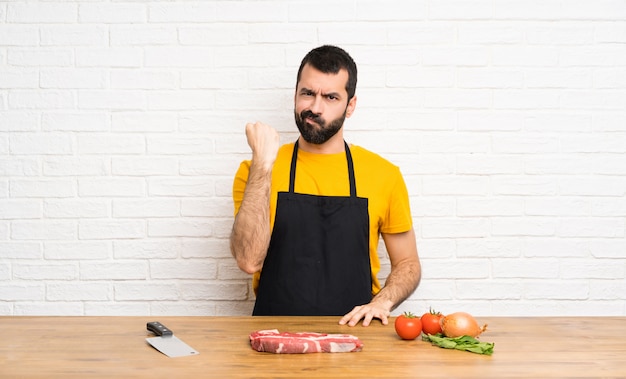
[321, 133]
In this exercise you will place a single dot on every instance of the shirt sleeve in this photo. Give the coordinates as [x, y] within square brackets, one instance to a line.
[399, 218]
[239, 184]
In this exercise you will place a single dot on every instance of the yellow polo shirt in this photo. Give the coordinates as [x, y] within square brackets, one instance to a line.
[377, 179]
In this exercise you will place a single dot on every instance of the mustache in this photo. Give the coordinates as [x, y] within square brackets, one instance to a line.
[308, 114]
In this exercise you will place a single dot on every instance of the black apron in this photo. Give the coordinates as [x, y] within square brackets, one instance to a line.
[318, 259]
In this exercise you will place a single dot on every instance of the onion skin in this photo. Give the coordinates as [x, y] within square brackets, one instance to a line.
[461, 324]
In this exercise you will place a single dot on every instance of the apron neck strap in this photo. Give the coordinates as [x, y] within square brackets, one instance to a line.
[294, 159]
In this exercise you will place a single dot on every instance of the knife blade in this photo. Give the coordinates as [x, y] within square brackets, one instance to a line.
[167, 343]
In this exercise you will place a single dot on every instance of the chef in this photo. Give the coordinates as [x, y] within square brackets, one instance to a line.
[309, 214]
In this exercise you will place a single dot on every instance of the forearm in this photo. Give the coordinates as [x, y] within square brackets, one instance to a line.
[400, 284]
[250, 236]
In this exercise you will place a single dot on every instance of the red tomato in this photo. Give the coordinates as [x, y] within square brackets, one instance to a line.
[408, 326]
[431, 322]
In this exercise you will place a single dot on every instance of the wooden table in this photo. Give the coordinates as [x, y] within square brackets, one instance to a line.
[115, 347]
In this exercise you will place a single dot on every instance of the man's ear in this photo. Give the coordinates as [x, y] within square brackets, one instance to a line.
[351, 106]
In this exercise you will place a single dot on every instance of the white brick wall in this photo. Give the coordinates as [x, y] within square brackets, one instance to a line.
[121, 127]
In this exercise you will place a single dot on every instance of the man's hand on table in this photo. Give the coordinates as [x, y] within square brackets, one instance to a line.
[367, 313]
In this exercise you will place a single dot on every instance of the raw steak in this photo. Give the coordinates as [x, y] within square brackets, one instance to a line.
[272, 341]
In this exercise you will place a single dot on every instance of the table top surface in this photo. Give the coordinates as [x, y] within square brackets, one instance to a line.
[525, 347]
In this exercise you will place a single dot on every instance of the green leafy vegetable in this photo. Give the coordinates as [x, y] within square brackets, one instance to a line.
[465, 343]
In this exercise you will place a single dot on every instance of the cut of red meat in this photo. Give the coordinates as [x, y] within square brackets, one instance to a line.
[272, 341]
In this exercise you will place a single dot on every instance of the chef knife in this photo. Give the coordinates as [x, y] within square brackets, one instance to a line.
[167, 343]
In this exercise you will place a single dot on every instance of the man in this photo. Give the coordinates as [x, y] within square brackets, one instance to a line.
[308, 215]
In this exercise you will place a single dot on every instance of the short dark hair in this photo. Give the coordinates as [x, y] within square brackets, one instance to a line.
[330, 60]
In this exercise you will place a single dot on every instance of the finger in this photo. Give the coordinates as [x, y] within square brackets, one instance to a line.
[353, 317]
[368, 319]
[255, 127]
[384, 319]
[250, 133]
[361, 312]
[355, 320]
[344, 320]
[249, 127]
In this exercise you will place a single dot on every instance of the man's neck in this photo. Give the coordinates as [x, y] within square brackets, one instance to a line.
[332, 146]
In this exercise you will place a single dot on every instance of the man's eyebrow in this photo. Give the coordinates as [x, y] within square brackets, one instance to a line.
[308, 90]
[334, 94]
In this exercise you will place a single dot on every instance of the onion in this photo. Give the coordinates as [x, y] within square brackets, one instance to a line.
[461, 324]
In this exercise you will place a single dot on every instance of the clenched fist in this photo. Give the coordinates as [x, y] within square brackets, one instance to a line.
[264, 142]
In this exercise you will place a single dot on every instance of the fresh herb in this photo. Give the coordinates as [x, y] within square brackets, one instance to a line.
[465, 343]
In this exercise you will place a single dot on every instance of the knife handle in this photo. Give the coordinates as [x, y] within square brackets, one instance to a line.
[159, 329]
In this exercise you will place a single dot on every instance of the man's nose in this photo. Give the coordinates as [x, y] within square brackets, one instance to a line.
[317, 105]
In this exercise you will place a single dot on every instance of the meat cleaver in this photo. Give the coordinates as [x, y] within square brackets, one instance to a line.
[167, 343]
